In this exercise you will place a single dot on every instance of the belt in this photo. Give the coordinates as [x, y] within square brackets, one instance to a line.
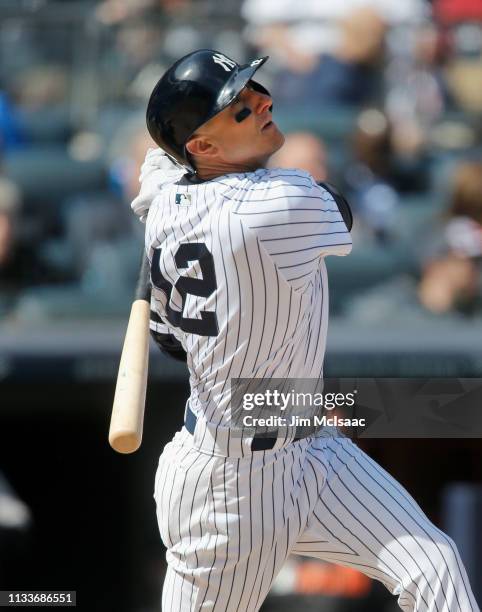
[258, 442]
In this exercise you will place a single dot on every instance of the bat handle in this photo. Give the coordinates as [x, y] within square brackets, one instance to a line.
[143, 288]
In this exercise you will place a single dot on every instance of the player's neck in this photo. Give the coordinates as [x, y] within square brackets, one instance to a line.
[207, 171]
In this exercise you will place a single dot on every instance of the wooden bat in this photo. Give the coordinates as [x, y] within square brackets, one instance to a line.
[127, 420]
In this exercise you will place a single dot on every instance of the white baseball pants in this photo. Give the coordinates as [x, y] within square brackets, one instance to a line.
[229, 517]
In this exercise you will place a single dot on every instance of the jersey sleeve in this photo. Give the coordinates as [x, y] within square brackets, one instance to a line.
[158, 324]
[296, 221]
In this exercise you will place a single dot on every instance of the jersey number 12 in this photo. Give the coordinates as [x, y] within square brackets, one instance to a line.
[207, 325]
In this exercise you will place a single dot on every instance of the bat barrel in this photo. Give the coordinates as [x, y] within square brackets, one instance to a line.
[127, 420]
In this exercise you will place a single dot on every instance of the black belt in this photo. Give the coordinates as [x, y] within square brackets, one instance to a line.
[258, 442]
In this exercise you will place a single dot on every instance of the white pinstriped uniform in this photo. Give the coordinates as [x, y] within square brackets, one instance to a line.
[230, 516]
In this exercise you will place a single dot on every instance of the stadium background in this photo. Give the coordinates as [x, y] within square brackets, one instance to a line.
[382, 98]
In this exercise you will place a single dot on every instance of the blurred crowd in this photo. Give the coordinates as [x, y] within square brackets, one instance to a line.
[380, 97]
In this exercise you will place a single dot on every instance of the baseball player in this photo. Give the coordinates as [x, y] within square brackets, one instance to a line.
[240, 290]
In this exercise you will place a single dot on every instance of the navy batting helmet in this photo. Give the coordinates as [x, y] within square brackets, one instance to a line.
[195, 89]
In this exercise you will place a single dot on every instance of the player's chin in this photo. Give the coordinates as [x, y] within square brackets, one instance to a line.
[277, 140]
[274, 138]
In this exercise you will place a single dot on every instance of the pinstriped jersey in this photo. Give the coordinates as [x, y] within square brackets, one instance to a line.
[239, 278]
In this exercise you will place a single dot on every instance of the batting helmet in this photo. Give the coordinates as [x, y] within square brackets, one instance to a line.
[195, 89]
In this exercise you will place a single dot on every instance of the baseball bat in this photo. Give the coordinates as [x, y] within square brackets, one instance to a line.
[127, 420]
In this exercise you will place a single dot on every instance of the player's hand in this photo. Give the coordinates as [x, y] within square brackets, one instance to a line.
[156, 170]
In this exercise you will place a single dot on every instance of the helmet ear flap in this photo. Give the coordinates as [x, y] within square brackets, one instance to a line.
[258, 87]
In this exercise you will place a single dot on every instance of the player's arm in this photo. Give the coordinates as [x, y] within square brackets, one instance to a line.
[298, 214]
[167, 342]
[296, 222]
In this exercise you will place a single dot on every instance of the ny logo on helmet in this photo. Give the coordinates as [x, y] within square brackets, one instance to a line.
[224, 61]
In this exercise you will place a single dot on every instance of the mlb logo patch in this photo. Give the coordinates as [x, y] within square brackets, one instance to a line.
[183, 199]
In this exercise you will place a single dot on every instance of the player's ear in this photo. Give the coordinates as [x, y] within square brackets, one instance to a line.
[201, 146]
